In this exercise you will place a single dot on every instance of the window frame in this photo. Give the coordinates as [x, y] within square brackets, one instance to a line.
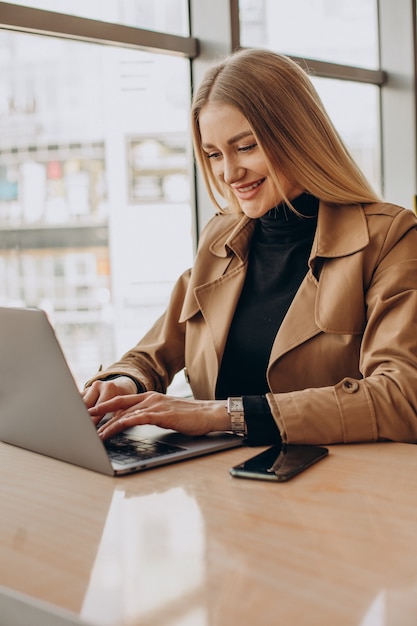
[50, 23]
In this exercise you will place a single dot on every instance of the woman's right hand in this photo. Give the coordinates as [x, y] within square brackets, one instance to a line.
[102, 390]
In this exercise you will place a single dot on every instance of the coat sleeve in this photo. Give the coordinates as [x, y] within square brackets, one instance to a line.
[382, 405]
[159, 355]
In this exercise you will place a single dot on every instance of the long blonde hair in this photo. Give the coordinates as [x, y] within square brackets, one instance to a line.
[289, 122]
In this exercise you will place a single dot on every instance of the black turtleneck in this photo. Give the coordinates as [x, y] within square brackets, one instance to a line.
[277, 264]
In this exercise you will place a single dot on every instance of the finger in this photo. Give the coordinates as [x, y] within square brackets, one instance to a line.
[90, 397]
[118, 403]
[119, 423]
[96, 394]
[99, 411]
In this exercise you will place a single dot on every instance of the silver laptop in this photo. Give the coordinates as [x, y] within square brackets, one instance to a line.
[18, 609]
[41, 408]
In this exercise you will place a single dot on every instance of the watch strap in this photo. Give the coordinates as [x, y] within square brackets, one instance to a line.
[236, 413]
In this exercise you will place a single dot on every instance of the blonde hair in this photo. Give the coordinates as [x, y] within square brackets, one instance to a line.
[290, 125]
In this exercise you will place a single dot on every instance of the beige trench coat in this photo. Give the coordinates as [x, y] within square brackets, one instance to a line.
[343, 366]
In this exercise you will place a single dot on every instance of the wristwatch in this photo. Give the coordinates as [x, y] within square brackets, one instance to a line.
[237, 415]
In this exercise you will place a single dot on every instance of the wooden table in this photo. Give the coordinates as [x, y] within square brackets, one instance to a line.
[189, 545]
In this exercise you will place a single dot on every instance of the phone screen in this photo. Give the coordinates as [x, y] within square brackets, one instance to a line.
[279, 463]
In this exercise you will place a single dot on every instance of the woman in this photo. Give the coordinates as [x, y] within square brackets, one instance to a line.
[299, 318]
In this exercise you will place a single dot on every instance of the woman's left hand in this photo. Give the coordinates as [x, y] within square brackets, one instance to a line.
[187, 416]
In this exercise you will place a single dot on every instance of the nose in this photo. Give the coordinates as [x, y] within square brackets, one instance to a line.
[232, 171]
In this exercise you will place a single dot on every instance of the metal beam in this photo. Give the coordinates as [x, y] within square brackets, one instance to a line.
[37, 21]
[325, 69]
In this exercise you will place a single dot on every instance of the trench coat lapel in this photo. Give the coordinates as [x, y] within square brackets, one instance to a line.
[299, 324]
[341, 231]
[217, 299]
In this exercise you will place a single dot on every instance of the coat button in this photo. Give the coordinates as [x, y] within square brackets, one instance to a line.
[350, 386]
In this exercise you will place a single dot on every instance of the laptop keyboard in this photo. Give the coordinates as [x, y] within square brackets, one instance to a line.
[123, 449]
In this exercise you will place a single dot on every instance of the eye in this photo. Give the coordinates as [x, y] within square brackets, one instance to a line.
[213, 155]
[248, 148]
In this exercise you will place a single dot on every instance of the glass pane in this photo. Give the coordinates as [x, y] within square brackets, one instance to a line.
[354, 110]
[170, 16]
[339, 31]
[95, 179]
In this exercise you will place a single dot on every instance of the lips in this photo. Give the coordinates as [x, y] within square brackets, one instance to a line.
[246, 188]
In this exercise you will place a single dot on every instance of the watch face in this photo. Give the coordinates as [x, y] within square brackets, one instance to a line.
[236, 404]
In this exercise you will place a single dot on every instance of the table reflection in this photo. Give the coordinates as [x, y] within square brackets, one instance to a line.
[150, 562]
[393, 607]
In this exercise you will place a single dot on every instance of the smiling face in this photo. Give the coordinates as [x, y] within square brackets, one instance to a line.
[237, 161]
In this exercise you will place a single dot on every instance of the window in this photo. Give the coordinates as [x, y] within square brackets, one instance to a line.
[339, 31]
[354, 110]
[95, 179]
[169, 16]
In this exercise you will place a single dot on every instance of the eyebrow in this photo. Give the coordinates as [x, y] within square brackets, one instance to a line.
[232, 140]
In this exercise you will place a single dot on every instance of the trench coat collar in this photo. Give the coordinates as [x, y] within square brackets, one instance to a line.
[341, 231]
[235, 240]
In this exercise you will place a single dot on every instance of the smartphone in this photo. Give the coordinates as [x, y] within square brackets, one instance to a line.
[279, 463]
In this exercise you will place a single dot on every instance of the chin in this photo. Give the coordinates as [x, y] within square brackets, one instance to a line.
[254, 213]
[256, 209]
